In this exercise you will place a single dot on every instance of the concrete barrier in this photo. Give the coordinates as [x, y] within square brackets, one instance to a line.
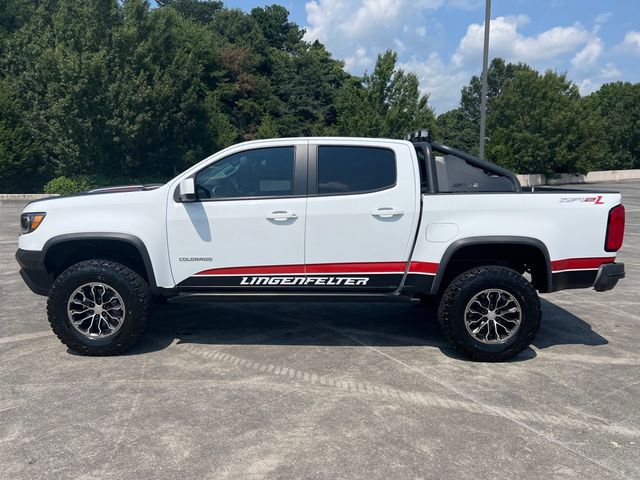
[26, 196]
[536, 179]
[532, 180]
[613, 175]
[566, 178]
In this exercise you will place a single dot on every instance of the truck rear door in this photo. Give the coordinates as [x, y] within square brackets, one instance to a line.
[362, 214]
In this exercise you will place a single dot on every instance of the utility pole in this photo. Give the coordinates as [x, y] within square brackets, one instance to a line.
[485, 68]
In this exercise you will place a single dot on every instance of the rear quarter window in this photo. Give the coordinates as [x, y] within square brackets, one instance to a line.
[351, 170]
[457, 176]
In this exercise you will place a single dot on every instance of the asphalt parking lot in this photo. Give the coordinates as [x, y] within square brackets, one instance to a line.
[331, 390]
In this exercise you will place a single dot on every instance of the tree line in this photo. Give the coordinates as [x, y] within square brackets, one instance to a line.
[101, 92]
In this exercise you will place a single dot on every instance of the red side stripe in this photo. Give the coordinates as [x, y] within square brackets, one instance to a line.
[263, 270]
[580, 263]
[423, 267]
[374, 267]
[377, 267]
[384, 267]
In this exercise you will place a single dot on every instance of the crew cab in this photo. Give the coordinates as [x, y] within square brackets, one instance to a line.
[322, 218]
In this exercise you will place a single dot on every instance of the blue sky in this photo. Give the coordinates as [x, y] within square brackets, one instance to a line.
[594, 42]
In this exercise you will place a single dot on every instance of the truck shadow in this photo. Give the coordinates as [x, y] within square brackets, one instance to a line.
[333, 324]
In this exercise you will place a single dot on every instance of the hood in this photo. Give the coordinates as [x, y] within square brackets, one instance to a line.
[123, 188]
[100, 191]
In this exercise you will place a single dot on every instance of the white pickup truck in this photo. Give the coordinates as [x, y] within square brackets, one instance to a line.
[322, 217]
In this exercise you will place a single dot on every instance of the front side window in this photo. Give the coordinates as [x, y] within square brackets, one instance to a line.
[349, 170]
[263, 172]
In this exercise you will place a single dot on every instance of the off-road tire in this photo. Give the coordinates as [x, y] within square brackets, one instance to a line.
[464, 287]
[135, 294]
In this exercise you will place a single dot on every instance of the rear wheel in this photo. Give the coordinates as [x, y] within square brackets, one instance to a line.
[490, 313]
[98, 307]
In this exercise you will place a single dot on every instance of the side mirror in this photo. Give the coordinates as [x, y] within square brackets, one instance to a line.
[187, 190]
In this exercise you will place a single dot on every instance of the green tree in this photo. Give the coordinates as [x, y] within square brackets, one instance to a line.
[457, 130]
[21, 169]
[202, 11]
[157, 118]
[540, 124]
[267, 128]
[276, 28]
[619, 105]
[110, 89]
[306, 83]
[461, 127]
[386, 103]
[498, 75]
[56, 66]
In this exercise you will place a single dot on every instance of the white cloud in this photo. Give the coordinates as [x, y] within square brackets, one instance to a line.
[600, 20]
[631, 43]
[588, 67]
[360, 20]
[587, 86]
[610, 71]
[360, 60]
[603, 18]
[358, 30]
[507, 42]
[597, 77]
[399, 45]
[589, 55]
[376, 25]
[442, 81]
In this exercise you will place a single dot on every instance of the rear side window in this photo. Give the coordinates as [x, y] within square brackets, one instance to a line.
[345, 170]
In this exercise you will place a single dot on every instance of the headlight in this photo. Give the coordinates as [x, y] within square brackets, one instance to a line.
[30, 221]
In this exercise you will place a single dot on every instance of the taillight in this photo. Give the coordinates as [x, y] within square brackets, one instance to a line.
[615, 229]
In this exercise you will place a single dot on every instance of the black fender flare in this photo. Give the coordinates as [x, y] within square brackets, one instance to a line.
[121, 237]
[490, 240]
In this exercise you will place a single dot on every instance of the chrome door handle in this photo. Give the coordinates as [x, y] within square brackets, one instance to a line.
[387, 212]
[281, 215]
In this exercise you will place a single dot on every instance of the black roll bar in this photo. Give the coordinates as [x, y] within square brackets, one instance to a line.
[477, 162]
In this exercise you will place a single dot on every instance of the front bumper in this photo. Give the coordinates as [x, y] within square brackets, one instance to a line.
[608, 276]
[33, 272]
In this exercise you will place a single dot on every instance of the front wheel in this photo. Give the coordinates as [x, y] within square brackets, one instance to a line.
[98, 307]
[490, 313]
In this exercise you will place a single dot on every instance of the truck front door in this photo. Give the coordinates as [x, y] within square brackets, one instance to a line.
[245, 231]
